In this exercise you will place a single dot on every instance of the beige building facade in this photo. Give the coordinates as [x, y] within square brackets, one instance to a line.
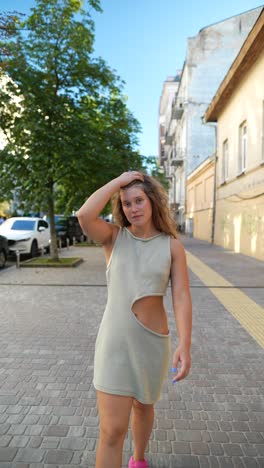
[238, 108]
[200, 200]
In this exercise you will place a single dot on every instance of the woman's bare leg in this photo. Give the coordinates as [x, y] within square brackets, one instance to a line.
[142, 424]
[114, 413]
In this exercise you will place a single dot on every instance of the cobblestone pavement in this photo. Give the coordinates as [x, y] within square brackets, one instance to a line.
[48, 418]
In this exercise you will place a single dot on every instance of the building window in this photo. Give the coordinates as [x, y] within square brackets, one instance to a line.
[242, 157]
[225, 161]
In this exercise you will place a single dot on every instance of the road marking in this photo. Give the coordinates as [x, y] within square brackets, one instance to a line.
[249, 314]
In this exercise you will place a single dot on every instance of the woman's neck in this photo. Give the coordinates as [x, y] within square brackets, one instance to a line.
[147, 230]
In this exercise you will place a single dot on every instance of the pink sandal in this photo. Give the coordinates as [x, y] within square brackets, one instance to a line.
[137, 464]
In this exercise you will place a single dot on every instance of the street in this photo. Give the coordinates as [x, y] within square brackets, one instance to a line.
[49, 320]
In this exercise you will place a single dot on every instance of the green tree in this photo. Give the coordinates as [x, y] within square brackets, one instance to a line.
[8, 25]
[108, 139]
[66, 124]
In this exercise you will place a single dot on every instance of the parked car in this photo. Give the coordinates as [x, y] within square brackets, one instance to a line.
[68, 227]
[3, 251]
[61, 229]
[27, 235]
[74, 229]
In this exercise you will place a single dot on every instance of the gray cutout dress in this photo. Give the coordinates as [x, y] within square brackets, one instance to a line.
[131, 359]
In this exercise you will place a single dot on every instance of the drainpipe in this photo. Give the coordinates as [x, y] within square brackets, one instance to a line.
[174, 197]
[214, 196]
[174, 188]
[214, 125]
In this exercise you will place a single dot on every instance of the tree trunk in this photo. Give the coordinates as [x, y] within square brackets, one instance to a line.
[53, 246]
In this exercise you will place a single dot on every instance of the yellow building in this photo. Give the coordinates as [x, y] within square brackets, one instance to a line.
[200, 196]
[238, 108]
[4, 209]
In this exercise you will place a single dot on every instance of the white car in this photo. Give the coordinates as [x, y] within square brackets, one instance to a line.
[27, 235]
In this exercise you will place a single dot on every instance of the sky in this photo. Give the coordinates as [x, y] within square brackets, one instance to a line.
[145, 41]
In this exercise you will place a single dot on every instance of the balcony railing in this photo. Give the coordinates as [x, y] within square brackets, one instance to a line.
[174, 206]
[168, 139]
[177, 112]
[177, 158]
[167, 172]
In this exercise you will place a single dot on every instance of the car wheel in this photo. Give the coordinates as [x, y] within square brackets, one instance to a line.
[34, 249]
[2, 259]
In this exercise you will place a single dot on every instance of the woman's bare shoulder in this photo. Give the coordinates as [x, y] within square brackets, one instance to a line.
[177, 248]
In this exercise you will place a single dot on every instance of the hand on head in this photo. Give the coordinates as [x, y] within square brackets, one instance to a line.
[129, 176]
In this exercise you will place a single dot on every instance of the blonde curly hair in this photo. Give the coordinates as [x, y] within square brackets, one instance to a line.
[161, 214]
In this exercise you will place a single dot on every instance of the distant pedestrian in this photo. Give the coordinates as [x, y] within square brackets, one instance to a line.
[133, 345]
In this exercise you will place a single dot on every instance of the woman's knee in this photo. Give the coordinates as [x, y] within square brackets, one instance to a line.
[113, 433]
[142, 408]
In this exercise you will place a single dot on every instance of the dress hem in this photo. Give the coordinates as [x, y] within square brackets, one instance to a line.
[124, 393]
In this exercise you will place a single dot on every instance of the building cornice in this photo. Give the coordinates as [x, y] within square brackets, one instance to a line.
[203, 167]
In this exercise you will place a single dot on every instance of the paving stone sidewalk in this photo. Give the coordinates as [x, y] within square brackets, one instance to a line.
[48, 417]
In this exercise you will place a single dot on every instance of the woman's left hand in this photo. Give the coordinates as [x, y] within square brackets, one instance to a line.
[181, 356]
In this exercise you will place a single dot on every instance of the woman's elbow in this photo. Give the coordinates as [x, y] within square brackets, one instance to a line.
[82, 216]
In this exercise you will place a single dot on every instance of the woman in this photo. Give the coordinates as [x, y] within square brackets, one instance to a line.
[132, 349]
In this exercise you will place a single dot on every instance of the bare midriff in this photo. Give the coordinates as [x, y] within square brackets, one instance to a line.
[150, 312]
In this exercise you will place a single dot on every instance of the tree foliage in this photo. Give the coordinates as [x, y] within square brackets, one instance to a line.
[66, 124]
